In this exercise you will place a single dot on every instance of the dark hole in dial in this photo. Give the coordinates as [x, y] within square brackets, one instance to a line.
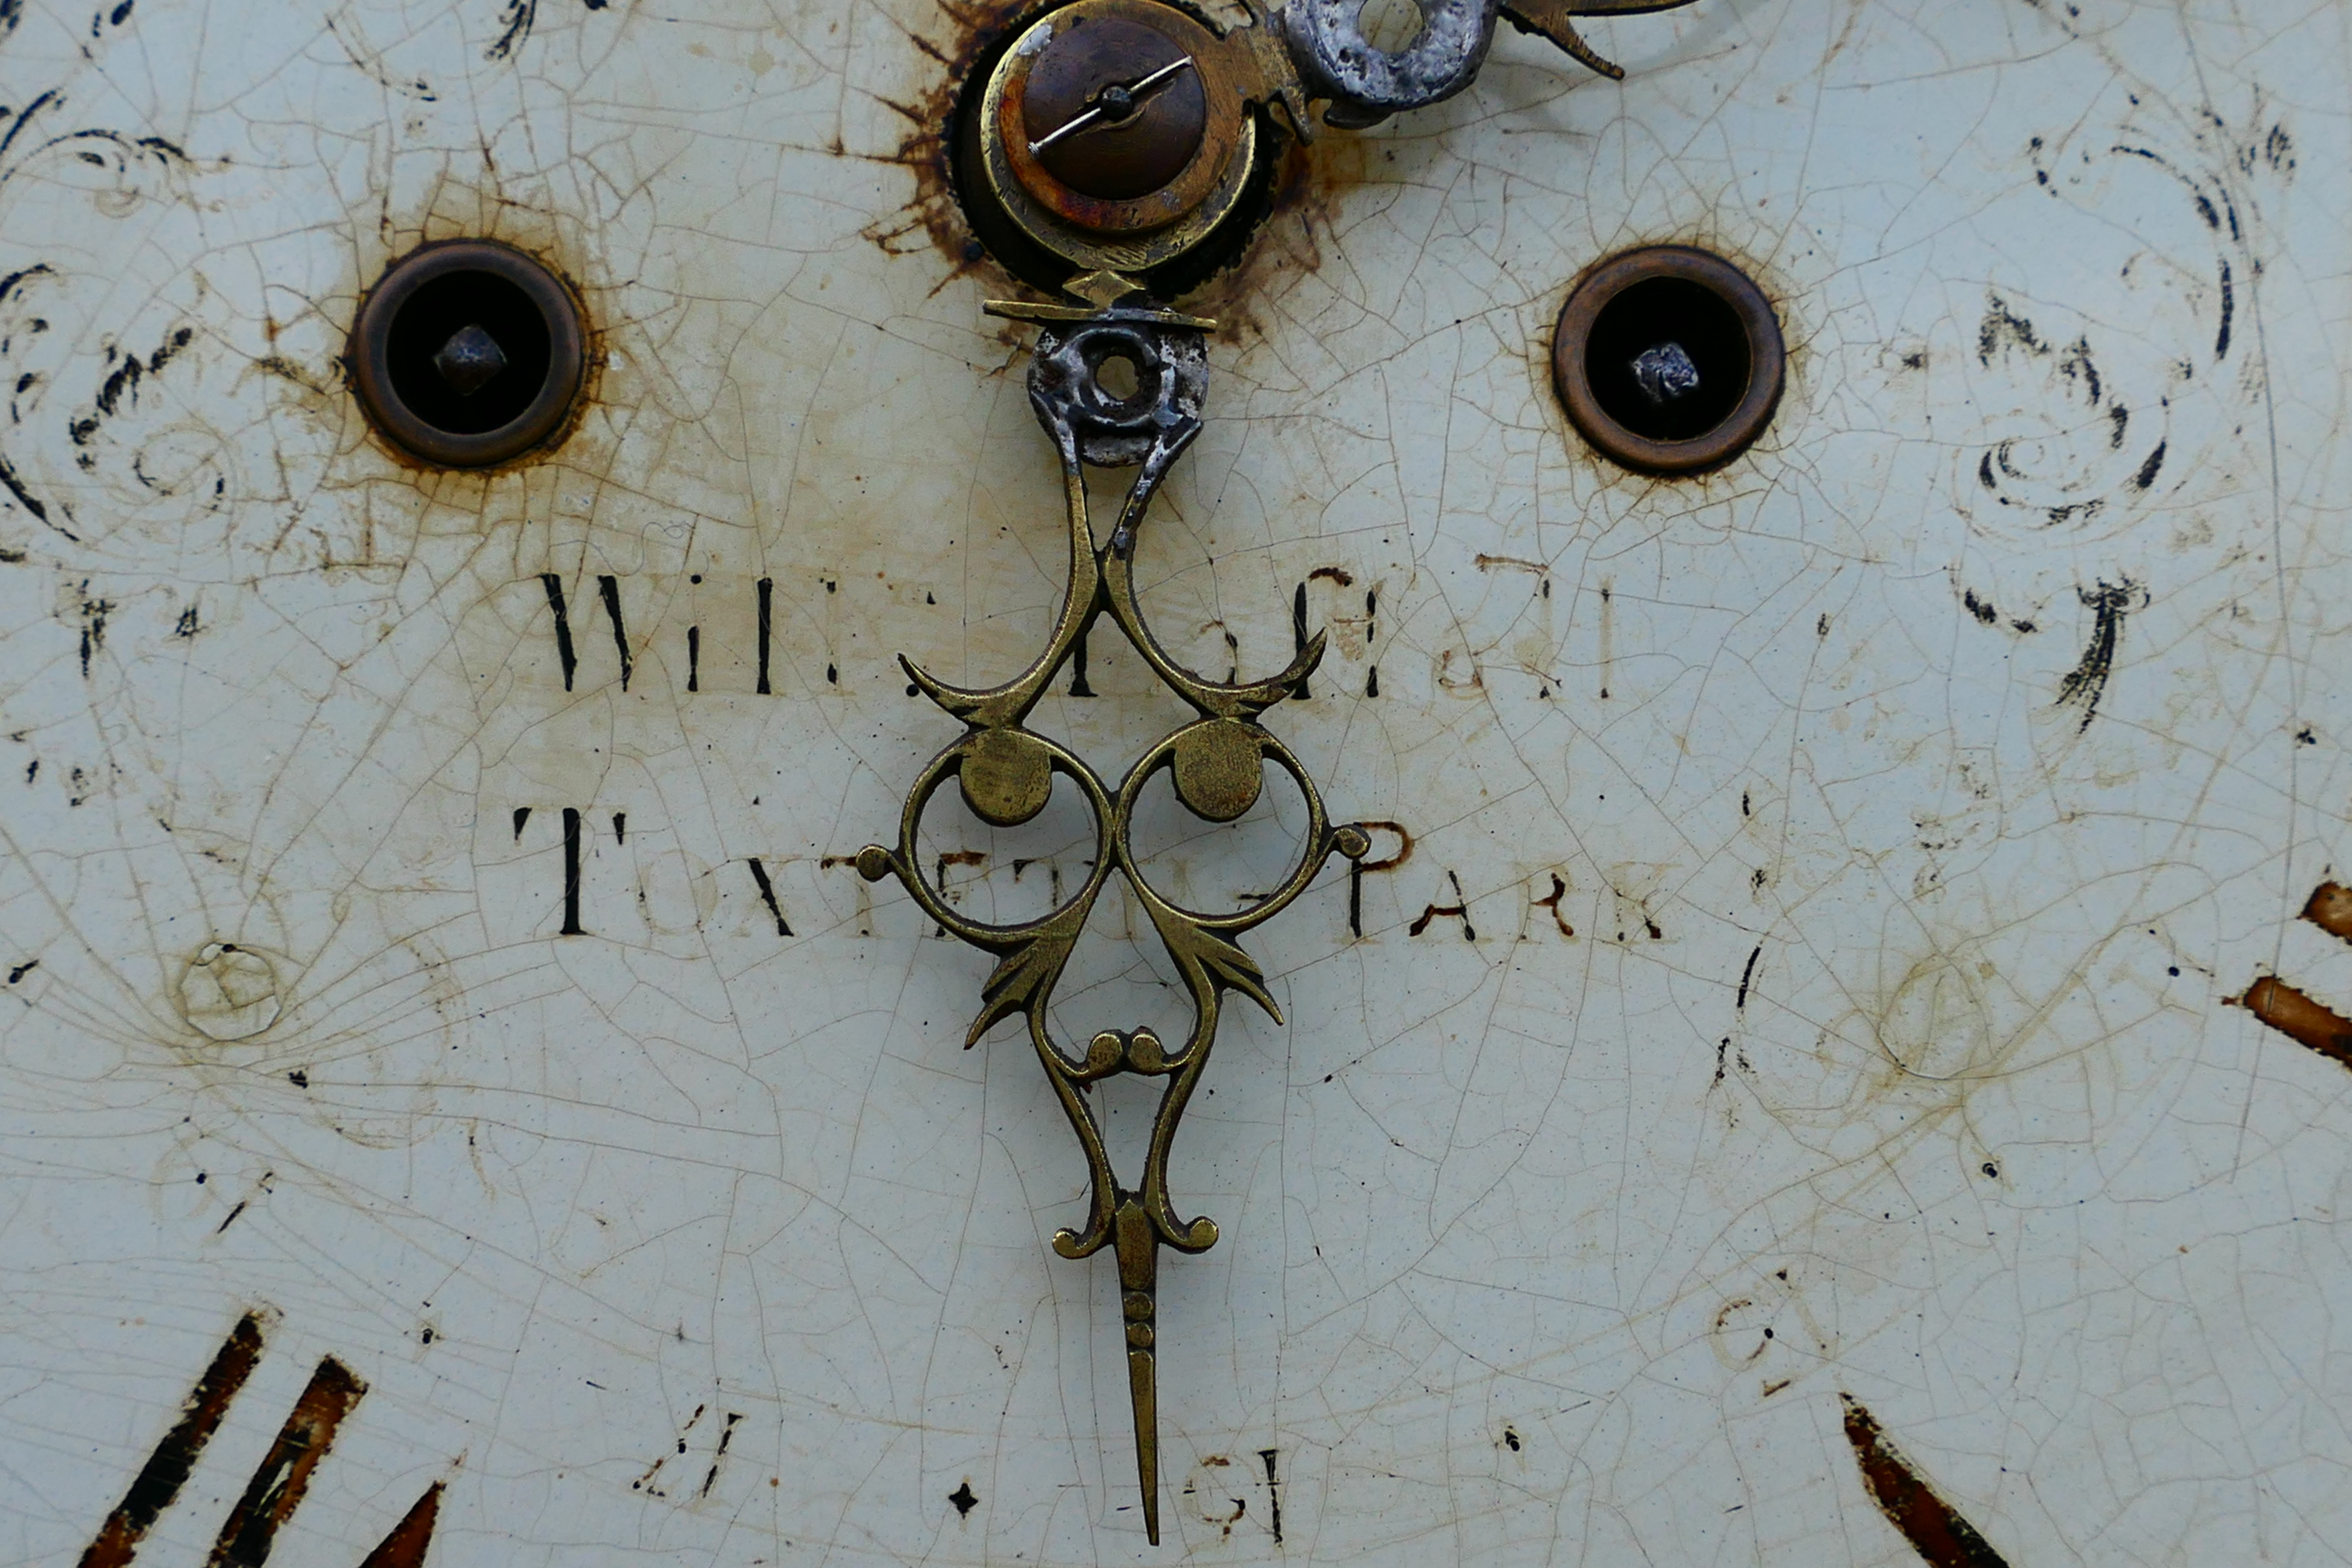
[1120, 379]
[1667, 359]
[437, 312]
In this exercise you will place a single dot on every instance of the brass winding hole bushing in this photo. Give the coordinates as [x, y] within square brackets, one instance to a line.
[467, 353]
[1668, 359]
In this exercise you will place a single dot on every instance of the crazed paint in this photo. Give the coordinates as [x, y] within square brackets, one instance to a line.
[1830, 874]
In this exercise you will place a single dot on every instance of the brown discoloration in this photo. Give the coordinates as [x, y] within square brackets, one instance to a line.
[930, 217]
[2330, 909]
[1552, 902]
[158, 1481]
[276, 1487]
[404, 1547]
[1282, 222]
[1942, 1538]
[2308, 1023]
[1301, 200]
[463, 204]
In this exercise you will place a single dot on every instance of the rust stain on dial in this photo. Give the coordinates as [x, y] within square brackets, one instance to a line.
[1274, 230]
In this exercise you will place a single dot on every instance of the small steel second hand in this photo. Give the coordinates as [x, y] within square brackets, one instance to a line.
[1129, 95]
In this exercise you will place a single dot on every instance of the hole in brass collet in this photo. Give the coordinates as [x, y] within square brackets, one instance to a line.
[1006, 771]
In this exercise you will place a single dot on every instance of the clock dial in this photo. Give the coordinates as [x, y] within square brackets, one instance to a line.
[1835, 1050]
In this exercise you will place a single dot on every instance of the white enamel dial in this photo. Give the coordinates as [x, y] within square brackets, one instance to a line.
[1843, 996]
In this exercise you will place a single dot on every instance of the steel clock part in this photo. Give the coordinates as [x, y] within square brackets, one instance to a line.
[1122, 135]
[1127, 194]
[1365, 84]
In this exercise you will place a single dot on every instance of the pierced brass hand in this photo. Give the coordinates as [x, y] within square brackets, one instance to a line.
[1005, 772]
[1173, 102]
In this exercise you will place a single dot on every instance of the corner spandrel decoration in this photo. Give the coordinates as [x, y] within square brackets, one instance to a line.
[1107, 146]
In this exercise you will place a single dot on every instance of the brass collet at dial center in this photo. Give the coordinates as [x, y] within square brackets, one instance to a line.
[1141, 232]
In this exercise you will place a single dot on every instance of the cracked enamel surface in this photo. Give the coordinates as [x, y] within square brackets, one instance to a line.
[1805, 904]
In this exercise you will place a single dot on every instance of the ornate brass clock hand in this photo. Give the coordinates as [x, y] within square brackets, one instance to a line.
[1005, 773]
[1178, 99]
